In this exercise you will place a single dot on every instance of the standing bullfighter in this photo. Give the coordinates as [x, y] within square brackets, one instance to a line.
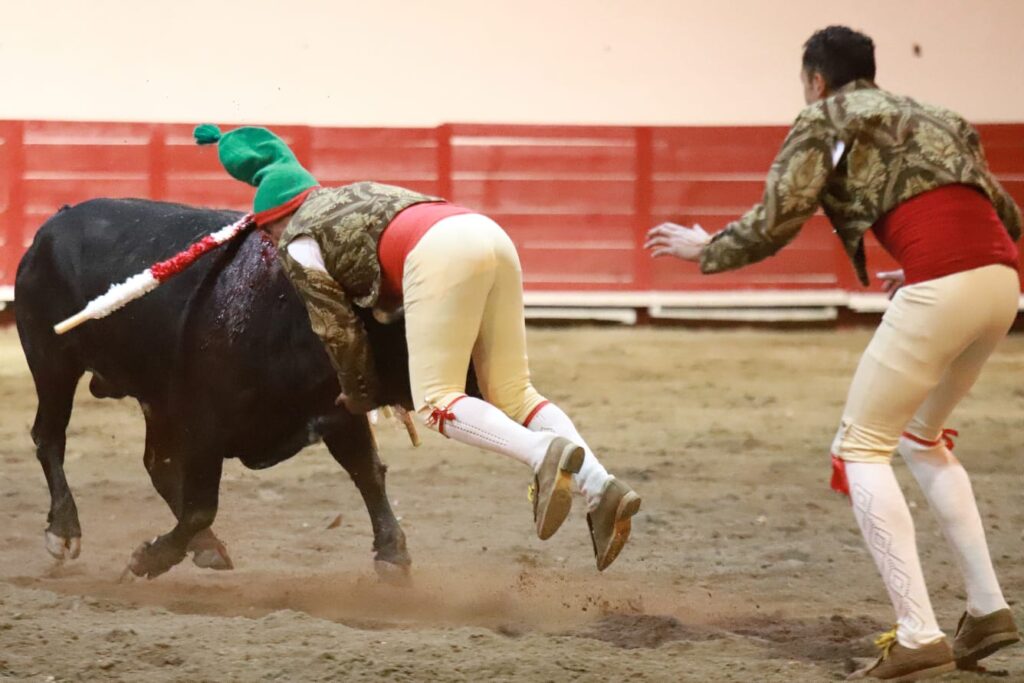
[914, 174]
[457, 276]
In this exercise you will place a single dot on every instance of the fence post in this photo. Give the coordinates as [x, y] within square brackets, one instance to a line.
[157, 162]
[642, 206]
[12, 244]
[302, 145]
[444, 161]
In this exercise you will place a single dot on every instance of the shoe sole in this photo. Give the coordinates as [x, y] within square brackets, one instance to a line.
[918, 675]
[926, 673]
[985, 648]
[550, 519]
[628, 506]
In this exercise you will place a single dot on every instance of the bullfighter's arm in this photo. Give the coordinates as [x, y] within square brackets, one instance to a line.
[792, 189]
[338, 327]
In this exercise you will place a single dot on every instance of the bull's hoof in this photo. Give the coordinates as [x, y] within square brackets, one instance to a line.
[212, 559]
[208, 552]
[393, 574]
[153, 558]
[63, 548]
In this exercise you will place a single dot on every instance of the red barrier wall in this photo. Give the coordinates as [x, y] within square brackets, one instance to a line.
[576, 199]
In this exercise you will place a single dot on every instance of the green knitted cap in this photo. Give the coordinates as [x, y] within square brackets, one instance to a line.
[256, 156]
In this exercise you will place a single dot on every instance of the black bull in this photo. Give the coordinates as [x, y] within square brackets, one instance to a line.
[221, 359]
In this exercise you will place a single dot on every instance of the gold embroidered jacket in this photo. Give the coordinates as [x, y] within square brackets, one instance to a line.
[346, 223]
[858, 154]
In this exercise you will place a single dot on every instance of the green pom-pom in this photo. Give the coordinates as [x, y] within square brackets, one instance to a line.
[206, 134]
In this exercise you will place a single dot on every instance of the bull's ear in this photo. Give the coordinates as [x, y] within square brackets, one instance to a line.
[206, 134]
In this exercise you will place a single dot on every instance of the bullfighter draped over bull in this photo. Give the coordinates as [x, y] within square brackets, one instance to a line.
[454, 276]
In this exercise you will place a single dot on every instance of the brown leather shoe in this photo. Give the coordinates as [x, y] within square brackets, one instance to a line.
[978, 637]
[610, 521]
[552, 486]
[898, 663]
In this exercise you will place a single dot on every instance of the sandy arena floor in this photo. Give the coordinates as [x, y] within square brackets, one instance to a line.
[743, 566]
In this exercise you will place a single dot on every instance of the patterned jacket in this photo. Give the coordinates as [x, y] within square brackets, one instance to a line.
[858, 154]
[346, 223]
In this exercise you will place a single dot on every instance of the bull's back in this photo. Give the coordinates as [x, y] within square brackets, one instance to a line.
[79, 253]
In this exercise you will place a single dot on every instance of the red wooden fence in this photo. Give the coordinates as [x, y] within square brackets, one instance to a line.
[577, 200]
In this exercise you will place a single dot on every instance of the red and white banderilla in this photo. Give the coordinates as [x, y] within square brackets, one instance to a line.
[142, 283]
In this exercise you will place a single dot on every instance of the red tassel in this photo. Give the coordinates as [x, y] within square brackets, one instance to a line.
[438, 416]
[840, 484]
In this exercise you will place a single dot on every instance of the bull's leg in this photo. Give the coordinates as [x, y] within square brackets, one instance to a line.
[354, 448]
[164, 470]
[200, 487]
[55, 387]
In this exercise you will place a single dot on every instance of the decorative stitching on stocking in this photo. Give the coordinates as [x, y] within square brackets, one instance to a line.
[879, 541]
[480, 434]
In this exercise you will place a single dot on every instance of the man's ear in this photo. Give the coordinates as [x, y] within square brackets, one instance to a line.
[819, 85]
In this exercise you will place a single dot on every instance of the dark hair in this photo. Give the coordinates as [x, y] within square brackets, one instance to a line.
[840, 55]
